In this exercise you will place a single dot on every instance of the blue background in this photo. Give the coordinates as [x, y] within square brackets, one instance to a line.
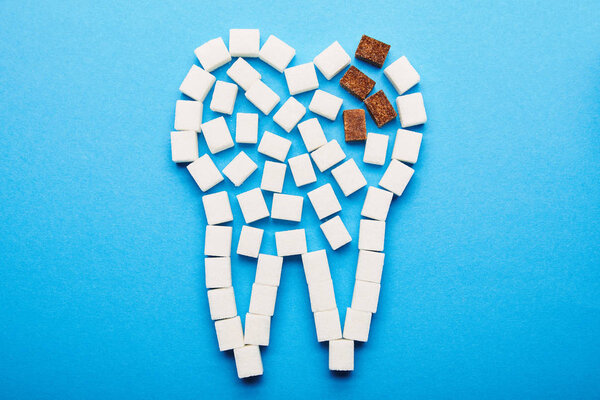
[492, 280]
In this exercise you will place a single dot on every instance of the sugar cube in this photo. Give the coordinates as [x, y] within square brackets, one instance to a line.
[253, 206]
[262, 96]
[357, 83]
[274, 146]
[375, 148]
[223, 99]
[257, 329]
[273, 176]
[217, 240]
[316, 266]
[197, 83]
[312, 134]
[239, 169]
[325, 104]
[332, 60]
[322, 297]
[213, 54]
[188, 115]
[324, 201]
[262, 299]
[250, 241]
[244, 42]
[380, 109]
[222, 303]
[327, 324]
[242, 73]
[355, 125]
[328, 155]
[369, 266]
[184, 146]
[217, 272]
[268, 270]
[247, 361]
[205, 173]
[341, 355]
[371, 235]
[396, 177]
[301, 78]
[287, 207]
[411, 110]
[372, 51]
[276, 53]
[302, 170]
[336, 233]
[246, 128]
[349, 177]
[289, 243]
[365, 296]
[407, 145]
[377, 203]
[217, 208]
[290, 113]
[357, 325]
[402, 75]
[229, 333]
[217, 136]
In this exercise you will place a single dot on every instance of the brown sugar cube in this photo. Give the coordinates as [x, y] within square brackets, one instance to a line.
[356, 83]
[372, 51]
[355, 125]
[380, 108]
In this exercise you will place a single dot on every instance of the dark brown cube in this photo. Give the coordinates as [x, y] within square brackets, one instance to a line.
[355, 125]
[380, 108]
[356, 83]
[372, 51]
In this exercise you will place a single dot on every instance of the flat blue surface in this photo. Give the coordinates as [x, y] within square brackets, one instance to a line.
[492, 281]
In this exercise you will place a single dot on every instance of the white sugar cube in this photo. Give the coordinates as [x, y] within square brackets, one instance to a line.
[301, 78]
[276, 53]
[325, 104]
[213, 54]
[205, 173]
[289, 243]
[188, 115]
[250, 241]
[217, 240]
[229, 333]
[262, 299]
[242, 73]
[402, 75]
[396, 177]
[217, 208]
[287, 207]
[247, 361]
[257, 329]
[217, 272]
[327, 324]
[273, 176]
[246, 128]
[376, 148]
[268, 270]
[197, 83]
[239, 169]
[365, 296]
[349, 177]
[336, 233]
[328, 155]
[184, 146]
[407, 145]
[302, 170]
[322, 297]
[411, 110]
[274, 146]
[370, 266]
[312, 134]
[223, 99]
[253, 206]
[357, 325]
[371, 235]
[262, 96]
[341, 355]
[324, 201]
[290, 113]
[377, 203]
[217, 136]
[222, 303]
[244, 42]
[332, 60]
[316, 267]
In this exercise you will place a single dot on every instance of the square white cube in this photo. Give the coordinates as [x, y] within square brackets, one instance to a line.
[407, 145]
[328, 155]
[217, 208]
[247, 361]
[229, 333]
[312, 134]
[365, 296]
[316, 267]
[217, 136]
[377, 203]
[188, 115]
[396, 177]
[290, 113]
[357, 325]
[336, 233]
[205, 173]
[274, 146]
[246, 128]
[287, 207]
[213, 54]
[322, 296]
[327, 324]
[223, 99]
[262, 299]
[376, 148]
[301, 78]
[302, 170]
[411, 110]
[341, 355]
[325, 104]
[217, 272]
[268, 270]
[257, 329]
[332, 60]
[197, 83]
[273, 176]
[402, 75]
[369, 266]
[324, 201]
[222, 303]
[253, 206]
[239, 169]
[276, 53]
[371, 235]
[349, 177]
[217, 240]
[250, 241]
[290, 243]
[262, 96]
[184, 146]
[244, 42]
[242, 73]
